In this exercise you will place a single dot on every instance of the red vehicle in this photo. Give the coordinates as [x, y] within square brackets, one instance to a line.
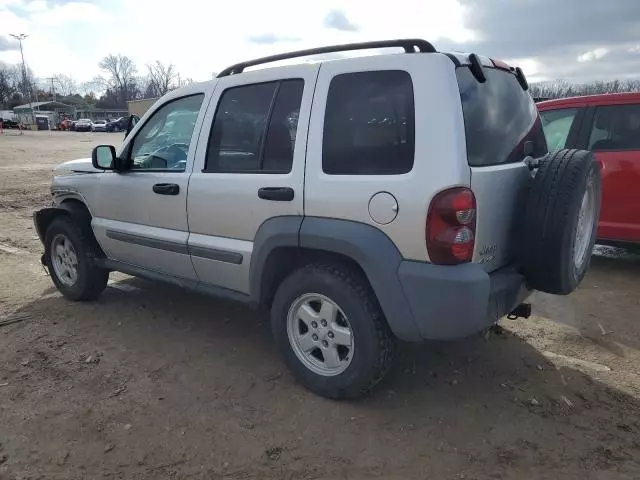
[609, 126]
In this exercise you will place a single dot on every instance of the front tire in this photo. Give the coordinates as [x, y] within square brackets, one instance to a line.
[70, 258]
[331, 332]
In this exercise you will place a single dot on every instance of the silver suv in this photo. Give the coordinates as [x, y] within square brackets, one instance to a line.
[362, 200]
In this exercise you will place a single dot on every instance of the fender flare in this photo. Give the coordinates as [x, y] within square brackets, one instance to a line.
[76, 209]
[366, 245]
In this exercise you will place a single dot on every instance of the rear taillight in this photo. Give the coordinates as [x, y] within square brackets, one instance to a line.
[451, 226]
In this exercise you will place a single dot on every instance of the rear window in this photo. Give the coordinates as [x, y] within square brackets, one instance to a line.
[499, 117]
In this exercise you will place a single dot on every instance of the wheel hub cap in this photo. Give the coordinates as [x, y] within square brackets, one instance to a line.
[320, 334]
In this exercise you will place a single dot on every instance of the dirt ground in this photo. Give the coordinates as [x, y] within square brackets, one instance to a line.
[151, 382]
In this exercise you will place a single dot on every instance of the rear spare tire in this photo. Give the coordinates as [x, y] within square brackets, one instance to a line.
[560, 221]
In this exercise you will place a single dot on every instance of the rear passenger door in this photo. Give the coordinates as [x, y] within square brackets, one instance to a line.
[249, 168]
[613, 134]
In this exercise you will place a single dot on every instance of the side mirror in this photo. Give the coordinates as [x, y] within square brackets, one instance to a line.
[103, 157]
[131, 122]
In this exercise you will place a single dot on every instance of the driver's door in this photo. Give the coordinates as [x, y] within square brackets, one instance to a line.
[140, 214]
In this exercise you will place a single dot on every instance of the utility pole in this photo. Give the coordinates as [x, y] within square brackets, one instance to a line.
[20, 37]
[53, 87]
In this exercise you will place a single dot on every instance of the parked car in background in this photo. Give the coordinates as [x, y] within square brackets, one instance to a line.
[84, 125]
[608, 125]
[99, 126]
[6, 123]
[117, 125]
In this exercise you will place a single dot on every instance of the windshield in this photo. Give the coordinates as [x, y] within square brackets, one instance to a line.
[499, 117]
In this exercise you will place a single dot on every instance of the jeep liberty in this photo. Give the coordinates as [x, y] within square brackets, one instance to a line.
[361, 200]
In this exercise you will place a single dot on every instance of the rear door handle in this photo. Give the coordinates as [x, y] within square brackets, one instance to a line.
[166, 189]
[277, 194]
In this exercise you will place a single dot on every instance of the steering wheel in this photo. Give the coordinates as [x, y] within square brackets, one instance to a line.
[172, 155]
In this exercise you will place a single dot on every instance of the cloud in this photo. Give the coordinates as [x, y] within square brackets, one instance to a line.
[592, 55]
[271, 38]
[548, 39]
[569, 39]
[7, 44]
[338, 20]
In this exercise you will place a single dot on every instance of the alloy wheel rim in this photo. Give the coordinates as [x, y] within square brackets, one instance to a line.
[320, 334]
[64, 260]
[584, 228]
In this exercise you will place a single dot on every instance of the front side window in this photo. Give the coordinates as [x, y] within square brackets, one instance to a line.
[369, 124]
[163, 142]
[254, 129]
[557, 125]
[616, 127]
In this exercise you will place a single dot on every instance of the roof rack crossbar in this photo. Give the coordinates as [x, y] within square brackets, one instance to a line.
[409, 46]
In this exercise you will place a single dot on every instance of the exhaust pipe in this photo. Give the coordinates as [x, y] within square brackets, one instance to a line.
[521, 311]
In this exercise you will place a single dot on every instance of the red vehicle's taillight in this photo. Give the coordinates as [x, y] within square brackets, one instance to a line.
[451, 226]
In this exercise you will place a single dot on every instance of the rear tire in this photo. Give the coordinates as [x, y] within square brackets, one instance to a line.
[70, 255]
[561, 220]
[355, 369]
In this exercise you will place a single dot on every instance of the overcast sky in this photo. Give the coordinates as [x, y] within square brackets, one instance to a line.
[574, 40]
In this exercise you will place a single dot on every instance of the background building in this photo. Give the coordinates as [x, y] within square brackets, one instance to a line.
[140, 107]
[52, 111]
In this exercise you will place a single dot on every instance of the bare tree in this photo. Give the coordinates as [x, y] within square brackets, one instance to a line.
[6, 84]
[65, 84]
[562, 89]
[94, 86]
[161, 78]
[12, 86]
[121, 72]
[182, 82]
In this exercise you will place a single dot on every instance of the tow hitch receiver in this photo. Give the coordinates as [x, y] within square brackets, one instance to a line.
[521, 311]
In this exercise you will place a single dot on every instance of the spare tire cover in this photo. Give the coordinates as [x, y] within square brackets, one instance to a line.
[560, 222]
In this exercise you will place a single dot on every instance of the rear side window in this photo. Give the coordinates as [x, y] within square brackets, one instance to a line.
[498, 118]
[557, 125]
[369, 124]
[254, 129]
[616, 127]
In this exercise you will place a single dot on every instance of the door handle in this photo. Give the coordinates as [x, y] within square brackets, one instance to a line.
[277, 194]
[166, 189]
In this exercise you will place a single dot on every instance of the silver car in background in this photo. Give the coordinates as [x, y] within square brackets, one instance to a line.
[99, 126]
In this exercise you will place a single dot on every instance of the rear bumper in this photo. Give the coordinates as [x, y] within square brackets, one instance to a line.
[449, 302]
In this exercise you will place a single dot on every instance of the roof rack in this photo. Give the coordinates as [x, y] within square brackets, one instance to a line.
[409, 45]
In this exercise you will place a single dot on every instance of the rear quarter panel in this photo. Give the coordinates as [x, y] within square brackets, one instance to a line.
[439, 161]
